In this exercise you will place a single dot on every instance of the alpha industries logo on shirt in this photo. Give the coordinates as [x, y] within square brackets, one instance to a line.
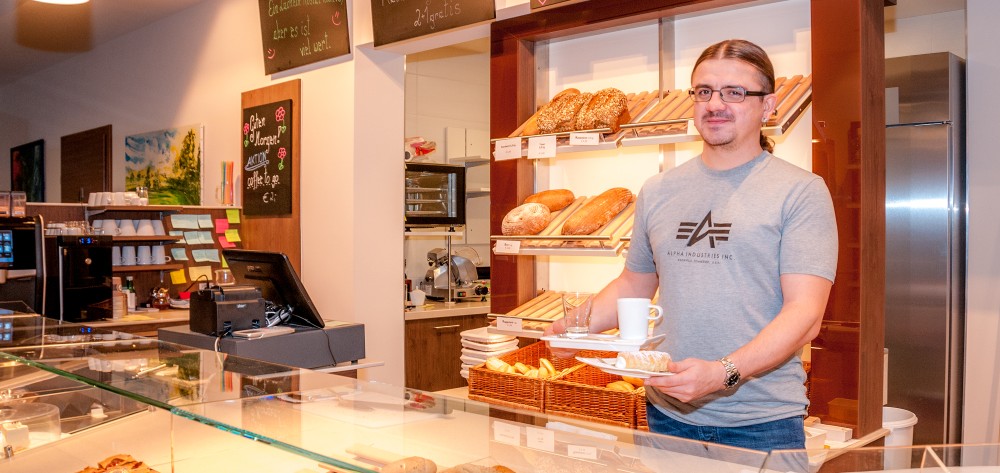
[694, 232]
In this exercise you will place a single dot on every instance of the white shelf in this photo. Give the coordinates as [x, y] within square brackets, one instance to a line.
[477, 192]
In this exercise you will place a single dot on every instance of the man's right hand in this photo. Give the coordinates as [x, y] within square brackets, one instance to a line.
[557, 328]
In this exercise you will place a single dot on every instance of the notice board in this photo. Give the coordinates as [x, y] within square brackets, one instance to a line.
[300, 32]
[396, 20]
[267, 159]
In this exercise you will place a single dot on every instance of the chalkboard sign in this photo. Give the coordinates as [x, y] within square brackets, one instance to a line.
[299, 32]
[544, 3]
[267, 159]
[396, 20]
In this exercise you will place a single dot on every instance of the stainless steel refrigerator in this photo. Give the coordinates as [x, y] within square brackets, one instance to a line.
[925, 241]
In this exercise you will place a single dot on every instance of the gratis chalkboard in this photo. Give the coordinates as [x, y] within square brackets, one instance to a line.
[300, 32]
[396, 20]
[544, 3]
[267, 159]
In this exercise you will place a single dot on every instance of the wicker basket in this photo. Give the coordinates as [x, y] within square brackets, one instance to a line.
[582, 394]
[515, 390]
[641, 422]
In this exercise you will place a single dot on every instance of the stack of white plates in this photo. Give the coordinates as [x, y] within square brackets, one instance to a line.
[478, 345]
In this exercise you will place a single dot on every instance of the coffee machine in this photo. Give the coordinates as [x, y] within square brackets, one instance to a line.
[22, 263]
[84, 272]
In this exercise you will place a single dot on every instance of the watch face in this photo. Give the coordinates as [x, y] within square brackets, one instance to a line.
[732, 380]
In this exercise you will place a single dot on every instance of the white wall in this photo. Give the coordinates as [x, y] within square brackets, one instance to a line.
[982, 383]
[923, 34]
[592, 62]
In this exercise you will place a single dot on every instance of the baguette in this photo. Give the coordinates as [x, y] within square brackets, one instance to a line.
[554, 199]
[598, 212]
[607, 109]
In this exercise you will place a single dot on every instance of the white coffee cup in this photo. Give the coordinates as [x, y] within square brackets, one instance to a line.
[118, 198]
[110, 227]
[107, 198]
[634, 316]
[160, 255]
[144, 255]
[93, 198]
[145, 227]
[128, 256]
[126, 227]
[417, 297]
[158, 228]
[116, 255]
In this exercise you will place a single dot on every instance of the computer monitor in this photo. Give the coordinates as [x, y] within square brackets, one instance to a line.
[277, 280]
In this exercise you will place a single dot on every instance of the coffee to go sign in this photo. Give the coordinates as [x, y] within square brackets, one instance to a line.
[267, 159]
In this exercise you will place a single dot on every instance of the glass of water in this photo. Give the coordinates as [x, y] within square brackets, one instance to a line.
[576, 309]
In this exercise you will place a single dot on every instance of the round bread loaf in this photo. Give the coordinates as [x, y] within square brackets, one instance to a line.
[554, 199]
[526, 219]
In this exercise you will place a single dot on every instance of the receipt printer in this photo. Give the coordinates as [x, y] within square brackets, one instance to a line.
[223, 310]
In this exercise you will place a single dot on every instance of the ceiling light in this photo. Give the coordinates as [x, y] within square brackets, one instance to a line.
[63, 2]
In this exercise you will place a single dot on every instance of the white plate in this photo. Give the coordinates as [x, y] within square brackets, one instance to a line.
[598, 341]
[607, 365]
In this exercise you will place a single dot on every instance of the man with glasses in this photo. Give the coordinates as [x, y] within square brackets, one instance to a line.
[743, 249]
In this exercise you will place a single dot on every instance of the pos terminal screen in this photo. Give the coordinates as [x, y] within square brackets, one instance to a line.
[6, 246]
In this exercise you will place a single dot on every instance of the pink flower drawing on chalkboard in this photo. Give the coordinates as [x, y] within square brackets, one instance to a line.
[279, 114]
[246, 132]
[281, 157]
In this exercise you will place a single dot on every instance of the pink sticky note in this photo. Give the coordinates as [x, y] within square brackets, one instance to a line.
[221, 225]
[226, 243]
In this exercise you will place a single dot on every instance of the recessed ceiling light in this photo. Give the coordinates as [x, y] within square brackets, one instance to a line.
[63, 2]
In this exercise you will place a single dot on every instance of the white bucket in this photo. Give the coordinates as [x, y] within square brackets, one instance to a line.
[900, 424]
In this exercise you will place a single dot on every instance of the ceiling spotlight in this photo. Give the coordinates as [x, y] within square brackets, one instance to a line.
[63, 2]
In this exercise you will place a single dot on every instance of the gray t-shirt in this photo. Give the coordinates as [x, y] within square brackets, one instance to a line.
[718, 241]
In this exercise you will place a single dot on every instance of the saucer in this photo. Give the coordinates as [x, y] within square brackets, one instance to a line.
[607, 365]
[598, 341]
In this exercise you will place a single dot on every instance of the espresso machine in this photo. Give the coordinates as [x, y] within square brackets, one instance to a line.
[451, 277]
[22, 264]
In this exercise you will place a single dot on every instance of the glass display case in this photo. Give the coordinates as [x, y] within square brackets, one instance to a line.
[182, 409]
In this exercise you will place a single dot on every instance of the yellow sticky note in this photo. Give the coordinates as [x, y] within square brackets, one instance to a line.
[233, 235]
[177, 277]
[225, 264]
[233, 215]
[200, 273]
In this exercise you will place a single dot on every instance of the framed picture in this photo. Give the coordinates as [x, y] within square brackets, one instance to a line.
[27, 170]
[168, 163]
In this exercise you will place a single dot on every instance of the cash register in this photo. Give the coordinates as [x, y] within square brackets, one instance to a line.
[270, 280]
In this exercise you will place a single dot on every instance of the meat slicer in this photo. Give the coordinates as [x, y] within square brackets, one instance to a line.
[463, 283]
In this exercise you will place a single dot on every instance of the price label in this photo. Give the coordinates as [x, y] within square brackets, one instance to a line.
[541, 147]
[582, 451]
[584, 139]
[507, 247]
[510, 324]
[507, 149]
[541, 439]
[507, 433]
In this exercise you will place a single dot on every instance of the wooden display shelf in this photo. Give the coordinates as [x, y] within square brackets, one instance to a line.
[606, 241]
[147, 267]
[134, 208]
[147, 238]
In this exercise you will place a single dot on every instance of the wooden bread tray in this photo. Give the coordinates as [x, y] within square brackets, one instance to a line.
[605, 241]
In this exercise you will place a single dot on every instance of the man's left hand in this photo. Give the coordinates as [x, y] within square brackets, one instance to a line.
[692, 379]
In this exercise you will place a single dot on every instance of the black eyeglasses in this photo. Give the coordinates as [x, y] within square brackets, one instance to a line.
[727, 94]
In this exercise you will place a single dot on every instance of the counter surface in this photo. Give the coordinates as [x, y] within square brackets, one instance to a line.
[435, 309]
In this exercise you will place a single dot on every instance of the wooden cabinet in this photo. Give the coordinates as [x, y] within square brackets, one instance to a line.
[433, 348]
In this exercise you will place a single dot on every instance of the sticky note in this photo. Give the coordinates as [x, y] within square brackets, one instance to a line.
[205, 255]
[175, 233]
[233, 235]
[225, 264]
[200, 273]
[177, 277]
[233, 215]
[183, 221]
[205, 238]
[223, 242]
[178, 254]
[192, 238]
[204, 221]
[221, 225]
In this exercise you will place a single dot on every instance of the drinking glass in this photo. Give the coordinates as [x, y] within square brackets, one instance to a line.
[143, 194]
[576, 307]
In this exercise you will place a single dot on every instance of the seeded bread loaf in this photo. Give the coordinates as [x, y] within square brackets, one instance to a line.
[597, 212]
[554, 199]
[607, 109]
[526, 219]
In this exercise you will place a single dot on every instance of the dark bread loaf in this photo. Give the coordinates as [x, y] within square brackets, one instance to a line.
[560, 114]
[607, 109]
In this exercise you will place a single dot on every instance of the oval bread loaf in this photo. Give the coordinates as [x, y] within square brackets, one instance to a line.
[554, 199]
[598, 212]
[608, 108]
[410, 465]
[526, 219]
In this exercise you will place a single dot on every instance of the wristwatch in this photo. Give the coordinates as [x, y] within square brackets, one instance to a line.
[732, 374]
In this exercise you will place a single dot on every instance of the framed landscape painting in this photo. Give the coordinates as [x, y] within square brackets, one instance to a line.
[168, 163]
[27, 170]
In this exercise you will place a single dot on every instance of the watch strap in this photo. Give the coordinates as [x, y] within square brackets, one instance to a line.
[732, 373]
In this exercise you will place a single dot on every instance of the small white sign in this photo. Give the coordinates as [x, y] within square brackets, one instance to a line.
[584, 139]
[509, 148]
[541, 439]
[507, 247]
[507, 433]
[542, 147]
[582, 451]
[510, 324]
